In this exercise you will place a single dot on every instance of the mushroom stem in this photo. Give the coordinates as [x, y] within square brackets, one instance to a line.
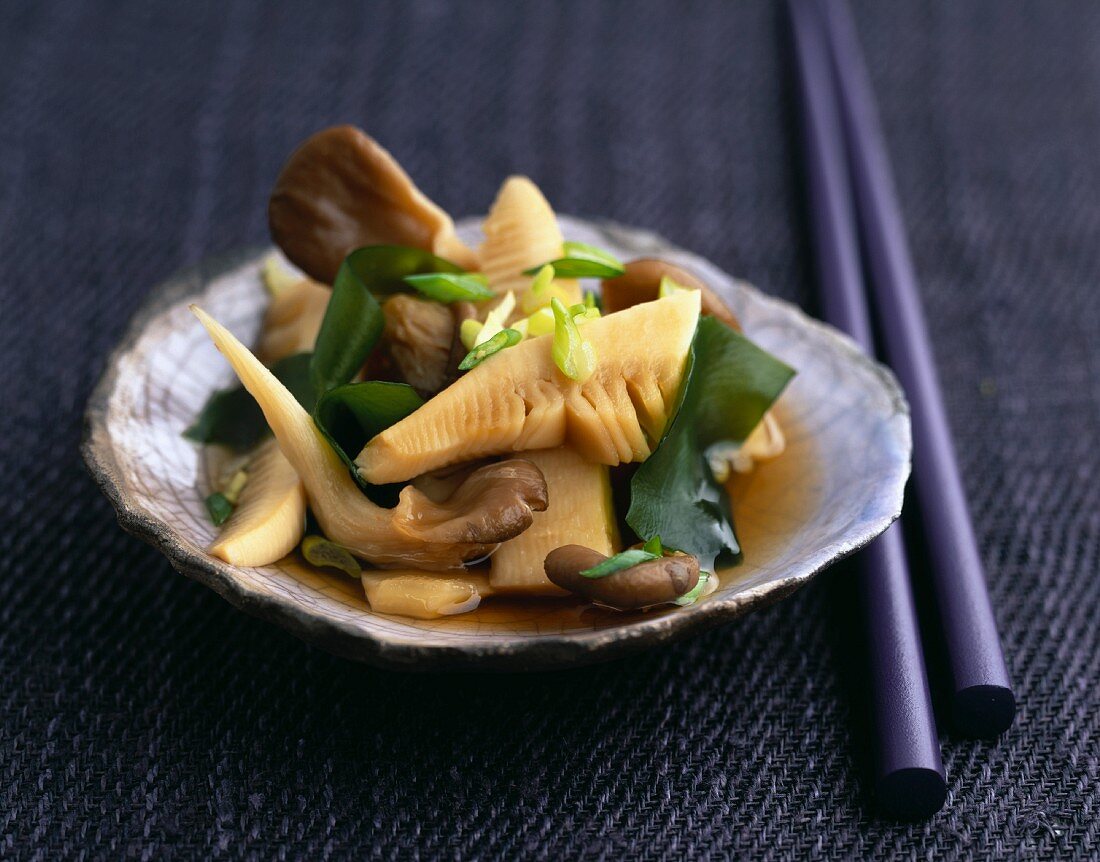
[494, 504]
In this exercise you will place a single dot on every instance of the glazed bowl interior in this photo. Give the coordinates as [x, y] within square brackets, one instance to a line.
[838, 484]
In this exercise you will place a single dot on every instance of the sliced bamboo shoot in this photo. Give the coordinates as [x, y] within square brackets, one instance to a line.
[424, 596]
[495, 503]
[270, 516]
[521, 232]
[580, 513]
[293, 320]
[518, 400]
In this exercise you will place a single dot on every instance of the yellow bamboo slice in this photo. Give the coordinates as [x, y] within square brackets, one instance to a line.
[270, 516]
[580, 513]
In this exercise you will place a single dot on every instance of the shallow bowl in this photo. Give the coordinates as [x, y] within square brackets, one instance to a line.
[838, 485]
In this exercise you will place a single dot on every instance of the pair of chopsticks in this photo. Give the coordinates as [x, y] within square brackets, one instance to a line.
[853, 208]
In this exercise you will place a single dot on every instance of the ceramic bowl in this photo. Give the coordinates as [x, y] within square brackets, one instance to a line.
[838, 485]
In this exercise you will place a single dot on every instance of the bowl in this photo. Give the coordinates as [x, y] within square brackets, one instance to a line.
[837, 486]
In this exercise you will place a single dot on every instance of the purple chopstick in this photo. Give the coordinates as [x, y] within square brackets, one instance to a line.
[983, 703]
[909, 778]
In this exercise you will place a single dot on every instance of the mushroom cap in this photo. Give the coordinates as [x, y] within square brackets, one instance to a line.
[492, 504]
[653, 582]
[641, 282]
[339, 191]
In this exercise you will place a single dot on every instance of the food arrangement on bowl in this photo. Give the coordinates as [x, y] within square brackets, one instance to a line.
[538, 425]
[454, 426]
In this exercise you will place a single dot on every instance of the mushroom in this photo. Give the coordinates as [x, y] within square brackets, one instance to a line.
[340, 190]
[460, 312]
[653, 582]
[495, 503]
[641, 282]
[418, 337]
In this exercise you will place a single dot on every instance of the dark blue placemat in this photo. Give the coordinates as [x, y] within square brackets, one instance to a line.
[142, 716]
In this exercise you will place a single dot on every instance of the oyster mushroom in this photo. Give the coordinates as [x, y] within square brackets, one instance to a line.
[654, 582]
[495, 503]
[460, 312]
[418, 337]
[340, 190]
[641, 282]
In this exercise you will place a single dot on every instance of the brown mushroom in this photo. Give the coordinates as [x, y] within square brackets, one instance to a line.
[654, 582]
[642, 280]
[493, 504]
[418, 336]
[438, 485]
[460, 312]
[341, 190]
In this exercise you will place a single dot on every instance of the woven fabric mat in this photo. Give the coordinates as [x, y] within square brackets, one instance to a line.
[141, 716]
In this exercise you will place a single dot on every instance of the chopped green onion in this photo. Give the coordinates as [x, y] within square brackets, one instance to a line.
[584, 261]
[542, 289]
[468, 332]
[623, 560]
[572, 353]
[591, 300]
[451, 286]
[544, 277]
[319, 551]
[504, 338]
[496, 319]
[219, 508]
[669, 287]
[541, 322]
[521, 326]
[654, 546]
[582, 313]
[693, 595]
[232, 490]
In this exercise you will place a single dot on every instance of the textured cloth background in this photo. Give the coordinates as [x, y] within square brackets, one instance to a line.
[140, 715]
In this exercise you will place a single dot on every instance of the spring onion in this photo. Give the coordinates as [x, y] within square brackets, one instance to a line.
[693, 595]
[496, 319]
[481, 352]
[668, 287]
[654, 546]
[581, 260]
[320, 552]
[622, 560]
[219, 508]
[451, 286]
[572, 353]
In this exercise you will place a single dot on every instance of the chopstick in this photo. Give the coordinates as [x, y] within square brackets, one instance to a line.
[909, 779]
[983, 703]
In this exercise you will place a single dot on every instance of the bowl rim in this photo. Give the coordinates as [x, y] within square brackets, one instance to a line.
[493, 652]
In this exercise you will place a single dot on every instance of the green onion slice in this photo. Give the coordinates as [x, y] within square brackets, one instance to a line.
[504, 338]
[692, 595]
[319, 551]
[668, 287]
[622, 560]
[451, 286]
[654, 546]
[583, 261]
[219, 508]
[572, 353]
